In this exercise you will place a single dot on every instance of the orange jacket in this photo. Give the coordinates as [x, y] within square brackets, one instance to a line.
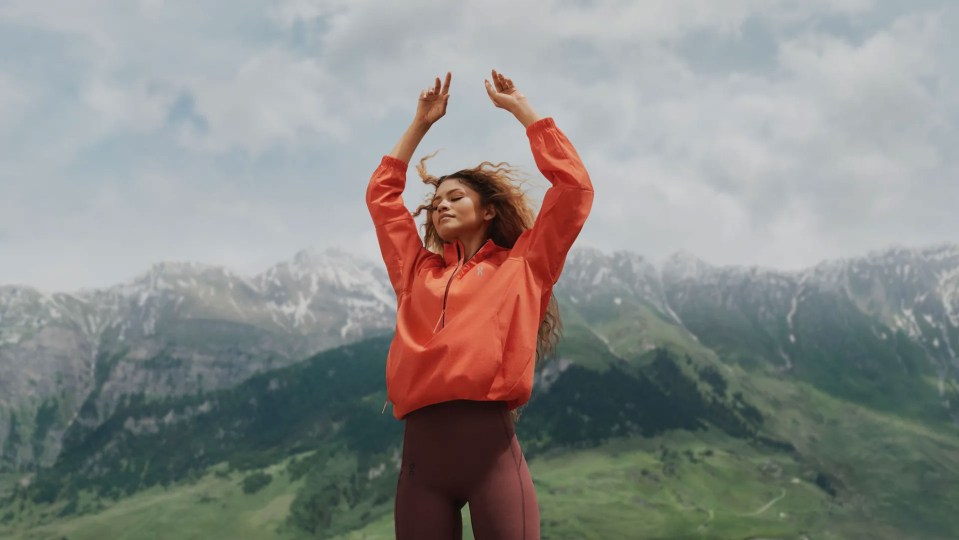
[466, 329]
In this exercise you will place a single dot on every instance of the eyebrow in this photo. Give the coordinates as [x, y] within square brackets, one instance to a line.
[448, 192]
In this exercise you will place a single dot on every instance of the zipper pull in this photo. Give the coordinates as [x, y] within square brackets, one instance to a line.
[384, 406]
[439, 320]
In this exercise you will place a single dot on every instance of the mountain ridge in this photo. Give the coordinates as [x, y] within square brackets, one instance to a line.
[183, 327]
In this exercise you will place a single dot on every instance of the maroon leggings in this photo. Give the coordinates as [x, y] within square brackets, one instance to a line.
[459, 452]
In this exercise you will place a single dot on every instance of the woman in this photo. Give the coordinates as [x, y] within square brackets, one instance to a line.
[474, 310]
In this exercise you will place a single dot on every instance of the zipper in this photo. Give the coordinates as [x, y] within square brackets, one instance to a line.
[441, 323]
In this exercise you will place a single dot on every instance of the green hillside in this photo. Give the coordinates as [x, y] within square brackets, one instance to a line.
[669, 442]
[680, 485]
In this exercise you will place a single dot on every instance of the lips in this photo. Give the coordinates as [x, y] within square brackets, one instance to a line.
[444, 217]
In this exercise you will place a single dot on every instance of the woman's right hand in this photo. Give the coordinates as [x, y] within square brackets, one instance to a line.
[432, 103]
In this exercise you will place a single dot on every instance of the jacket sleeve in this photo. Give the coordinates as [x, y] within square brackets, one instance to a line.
[566, 203]
[400, 243]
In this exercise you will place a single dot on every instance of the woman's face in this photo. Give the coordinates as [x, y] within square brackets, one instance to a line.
[457, 211]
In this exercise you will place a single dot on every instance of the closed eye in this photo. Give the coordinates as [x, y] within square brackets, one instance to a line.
[433, 208]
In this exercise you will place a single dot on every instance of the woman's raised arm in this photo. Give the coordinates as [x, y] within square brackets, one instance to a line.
[567, 202]
[400, 243]
[431, 107]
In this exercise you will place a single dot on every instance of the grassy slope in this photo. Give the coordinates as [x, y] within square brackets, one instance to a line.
[892, 475]
[627, 488]
[899, 471]
[212, 507]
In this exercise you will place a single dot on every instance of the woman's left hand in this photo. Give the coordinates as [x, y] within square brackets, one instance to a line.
[502, 92]
[506, 96]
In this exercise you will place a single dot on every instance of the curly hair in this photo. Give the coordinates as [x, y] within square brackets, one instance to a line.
[499, 185]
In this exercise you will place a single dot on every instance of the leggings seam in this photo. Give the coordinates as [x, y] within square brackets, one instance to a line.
[519, 477]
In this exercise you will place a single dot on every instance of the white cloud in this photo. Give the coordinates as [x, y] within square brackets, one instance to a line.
[273, 98]
[120, 108]
[745, 131]
[12, 96]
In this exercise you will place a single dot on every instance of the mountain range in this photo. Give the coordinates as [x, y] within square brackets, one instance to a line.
[187, 352]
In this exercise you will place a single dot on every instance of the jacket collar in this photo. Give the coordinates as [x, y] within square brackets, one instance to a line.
[454, 252]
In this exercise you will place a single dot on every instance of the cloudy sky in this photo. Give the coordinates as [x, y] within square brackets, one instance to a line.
[748, 132]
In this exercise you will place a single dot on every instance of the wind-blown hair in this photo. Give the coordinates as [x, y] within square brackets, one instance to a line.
[498, 185]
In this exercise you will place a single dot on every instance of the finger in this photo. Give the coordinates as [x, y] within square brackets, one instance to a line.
[436, 87]
[496, 81]
[505, 82]
[446, 84]
[490, 90]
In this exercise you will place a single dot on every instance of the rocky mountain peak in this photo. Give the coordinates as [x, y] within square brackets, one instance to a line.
[682, 265]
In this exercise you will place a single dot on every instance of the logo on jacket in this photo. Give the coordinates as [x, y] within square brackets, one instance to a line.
[479, 271]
